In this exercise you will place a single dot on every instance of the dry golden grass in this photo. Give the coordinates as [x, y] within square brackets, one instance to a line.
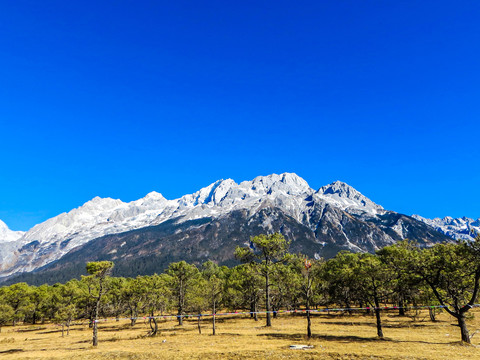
[335, 337]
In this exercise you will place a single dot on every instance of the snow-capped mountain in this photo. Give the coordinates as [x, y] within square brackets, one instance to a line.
[333, 218]
[7, 235]
[55, 237]
[460, 229]
[347, 198]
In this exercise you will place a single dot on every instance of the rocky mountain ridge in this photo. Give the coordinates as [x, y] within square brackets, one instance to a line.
[459, 229]
[334, 217]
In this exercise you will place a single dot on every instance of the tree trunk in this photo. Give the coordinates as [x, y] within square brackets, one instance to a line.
[267, 298]
[95, 333]
[463, 329]
[349, 308]
[68, 328]
[255, 315]
[90, 324]
[95, 329]
[133, 316]
[180, 318]
[401, 307]
[431, 312]
[155, 323]
[379, 320]
[181, 302]
[63, 330]
[213, 319]
[307, 305]
[154, 327]
[95, 322]
[309, 323]
[198, 323]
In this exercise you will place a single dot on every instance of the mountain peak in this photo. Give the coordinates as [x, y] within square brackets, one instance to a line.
[153, 195]
[211, 194]
[338, 187]
[8, 235]
[101, 203]
[294, 180]
[3, 226]
[288, 183]
[345, 196]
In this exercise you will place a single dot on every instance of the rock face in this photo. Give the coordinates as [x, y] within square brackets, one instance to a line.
[151, 232]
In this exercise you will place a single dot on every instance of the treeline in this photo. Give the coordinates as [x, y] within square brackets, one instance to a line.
[269, 278]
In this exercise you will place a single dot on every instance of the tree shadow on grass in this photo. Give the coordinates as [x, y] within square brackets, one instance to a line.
[175, 329]
[122, 327]
[111, 339]
[372, 324]
[113, 329]
[227, 334]
[119, 327]
[30, 330]
[349, 338]
[52, 331]
[208, 319]
[11, 351]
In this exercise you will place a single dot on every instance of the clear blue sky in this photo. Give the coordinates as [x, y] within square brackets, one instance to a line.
[119, 98]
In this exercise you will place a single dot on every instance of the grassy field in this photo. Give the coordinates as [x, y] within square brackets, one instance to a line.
[335, 337]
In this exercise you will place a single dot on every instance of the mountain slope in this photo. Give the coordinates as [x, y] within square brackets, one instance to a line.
[333, 218]
[55, 237]
[151, 249]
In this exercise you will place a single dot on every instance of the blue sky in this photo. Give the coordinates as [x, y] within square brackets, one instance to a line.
[119, 98]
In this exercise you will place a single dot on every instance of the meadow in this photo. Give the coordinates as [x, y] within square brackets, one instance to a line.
[335, 336]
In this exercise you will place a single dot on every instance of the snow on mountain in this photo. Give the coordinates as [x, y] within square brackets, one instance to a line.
[7, 235]
[67, 225]
[286, 184]
[50, 240]
[460, 228]
[347, 198]
[284, 190]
